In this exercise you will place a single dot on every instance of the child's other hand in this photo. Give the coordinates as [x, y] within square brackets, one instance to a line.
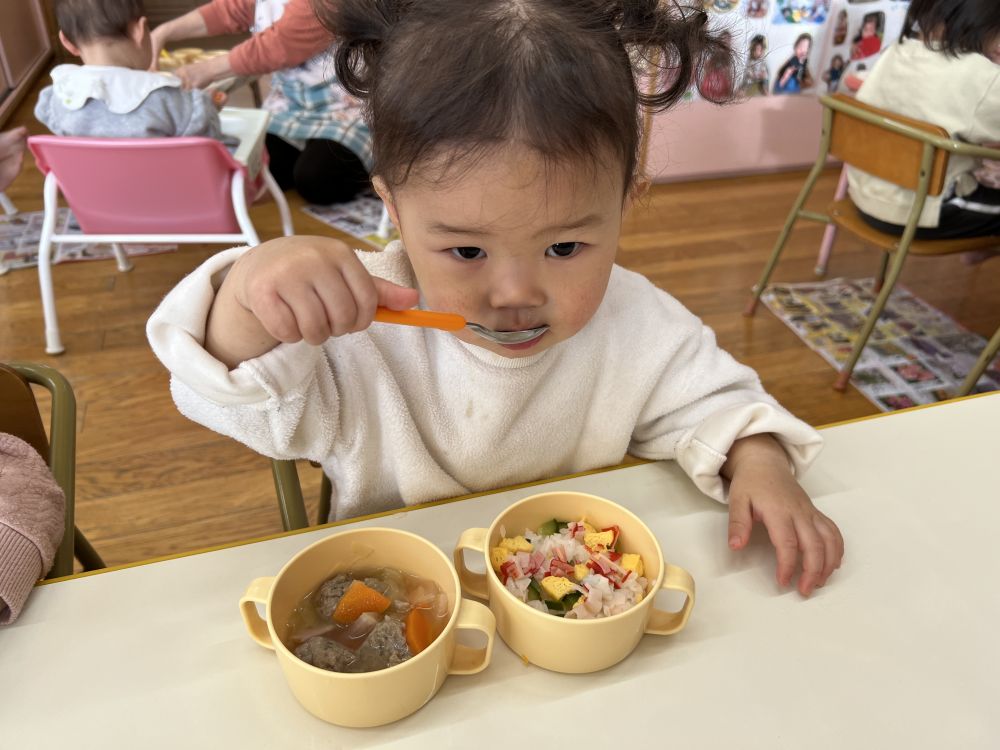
[311, 288]
[763, 489]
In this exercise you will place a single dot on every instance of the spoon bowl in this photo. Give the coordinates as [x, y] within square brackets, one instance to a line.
[452, 322]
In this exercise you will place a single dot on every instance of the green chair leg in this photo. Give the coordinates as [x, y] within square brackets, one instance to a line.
[85, 552]
[883, 296]
[325, 494]
[980, 367]
[290, 502]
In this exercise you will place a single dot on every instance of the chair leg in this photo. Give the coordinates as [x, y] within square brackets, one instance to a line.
[85, 552]
[325, 495]
[279, 197]
[793, 215]
[845, 373]
[981, 364]
[124, 262]
[239, 199]
[880, 279]
[53, 343]
[290, 502]
[830, 235]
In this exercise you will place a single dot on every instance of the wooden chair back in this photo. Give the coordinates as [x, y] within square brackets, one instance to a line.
[882, 152]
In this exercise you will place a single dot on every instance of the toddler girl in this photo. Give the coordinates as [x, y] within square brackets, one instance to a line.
[112, 94]
[506, 158]
[940, 71]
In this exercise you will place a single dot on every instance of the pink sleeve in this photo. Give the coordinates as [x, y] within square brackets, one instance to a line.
[293, 39]
[227, 16]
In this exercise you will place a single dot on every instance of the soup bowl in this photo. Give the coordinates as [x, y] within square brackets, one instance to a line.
[370, 698]
[571, 645]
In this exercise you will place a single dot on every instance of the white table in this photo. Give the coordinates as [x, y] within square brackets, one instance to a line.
[898, 651]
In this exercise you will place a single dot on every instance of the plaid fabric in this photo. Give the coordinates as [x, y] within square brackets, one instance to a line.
[301, 111]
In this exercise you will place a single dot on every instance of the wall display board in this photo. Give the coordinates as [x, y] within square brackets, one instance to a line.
[788, 52]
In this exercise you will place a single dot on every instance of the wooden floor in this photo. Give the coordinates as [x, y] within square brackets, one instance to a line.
[150, 483]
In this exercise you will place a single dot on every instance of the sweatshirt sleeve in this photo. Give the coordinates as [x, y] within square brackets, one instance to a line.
[32, 508]
[283, 404]
[702, 401]
[227, 16]
[294, 38]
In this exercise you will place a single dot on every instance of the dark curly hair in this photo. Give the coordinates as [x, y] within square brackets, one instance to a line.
[454, 79]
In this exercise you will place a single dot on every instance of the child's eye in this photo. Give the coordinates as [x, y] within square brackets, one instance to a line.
[468, 253]
[563, 249]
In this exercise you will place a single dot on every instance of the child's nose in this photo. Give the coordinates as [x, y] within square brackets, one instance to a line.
[516, 286]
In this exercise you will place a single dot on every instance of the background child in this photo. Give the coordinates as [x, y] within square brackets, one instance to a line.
[506, 158]
[112, 94]
[755, 76]
[943, 76]
[794, 75]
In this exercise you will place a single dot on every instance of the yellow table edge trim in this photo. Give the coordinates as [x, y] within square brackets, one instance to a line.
[434, 503]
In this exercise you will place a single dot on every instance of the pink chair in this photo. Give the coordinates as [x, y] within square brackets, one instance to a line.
[151, 190]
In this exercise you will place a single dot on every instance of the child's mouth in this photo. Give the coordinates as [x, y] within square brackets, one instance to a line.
[525, 344]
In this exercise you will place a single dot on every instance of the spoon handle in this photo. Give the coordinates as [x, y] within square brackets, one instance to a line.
[424, 318]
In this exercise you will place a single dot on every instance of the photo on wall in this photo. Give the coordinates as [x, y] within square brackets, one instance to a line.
[868, 40]
[756, 8]
[801, 11]
[756, 79]
[840, 28]
[794, 76]
[720, 6]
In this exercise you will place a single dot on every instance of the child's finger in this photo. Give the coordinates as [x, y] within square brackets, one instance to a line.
[277, 318]
[740, 521]
[361, 286]
[312, 317]
[781, 532]
[813, 555]
[396, 297]
[834, 545]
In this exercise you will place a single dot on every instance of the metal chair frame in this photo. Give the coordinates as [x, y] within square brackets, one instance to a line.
[935, 151]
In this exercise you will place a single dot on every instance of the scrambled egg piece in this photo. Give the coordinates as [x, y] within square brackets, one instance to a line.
[588, 528]
[632, 562]
[580, 571]
[598, 538]
[556, 586]
[497, 557]
[517, 544]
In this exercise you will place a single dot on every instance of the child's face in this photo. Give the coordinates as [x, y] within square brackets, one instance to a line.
[512, 246]
[802, 50]
[868, 29]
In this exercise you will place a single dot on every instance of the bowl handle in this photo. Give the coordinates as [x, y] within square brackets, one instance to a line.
[662, 622]
[473, 616]
[257, 593]
[473, 584]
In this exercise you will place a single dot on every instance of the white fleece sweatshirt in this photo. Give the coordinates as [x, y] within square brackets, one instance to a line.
[400, 415]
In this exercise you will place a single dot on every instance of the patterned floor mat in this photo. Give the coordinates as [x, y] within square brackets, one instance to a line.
[20, 232]
[916, 354]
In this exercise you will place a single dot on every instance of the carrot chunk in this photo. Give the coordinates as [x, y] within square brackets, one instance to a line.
[357, 600]
[418, 630]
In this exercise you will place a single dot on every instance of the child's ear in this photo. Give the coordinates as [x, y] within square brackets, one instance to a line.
[138, 31]
[69, 46]
[383, 192]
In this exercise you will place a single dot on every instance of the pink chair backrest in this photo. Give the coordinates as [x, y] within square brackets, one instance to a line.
[142, 185]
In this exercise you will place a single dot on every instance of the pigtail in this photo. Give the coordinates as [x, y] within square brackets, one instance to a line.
[672, 42]
[360, 28]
